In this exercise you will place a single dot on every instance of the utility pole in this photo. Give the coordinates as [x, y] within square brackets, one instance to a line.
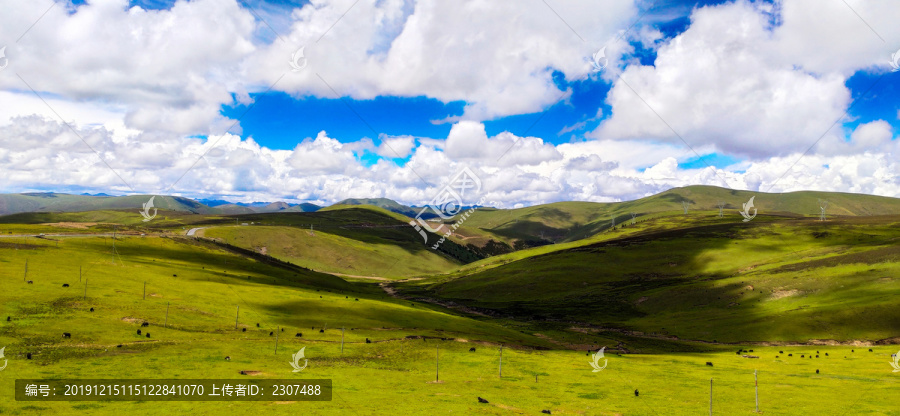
[115, 229]
[25, 277]
[166, 325]
[236, 315]
[756, 381]
[437, 364]
[710, 397]
[277, 330]
[145, 290]
[501, 362]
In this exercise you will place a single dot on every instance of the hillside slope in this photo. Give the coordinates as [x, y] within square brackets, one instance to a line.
[781, 280]
[52, 202]
[569, 221]
[353, 240]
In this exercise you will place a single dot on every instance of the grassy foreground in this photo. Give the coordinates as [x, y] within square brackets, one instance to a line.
[397, 377]
[193, 290]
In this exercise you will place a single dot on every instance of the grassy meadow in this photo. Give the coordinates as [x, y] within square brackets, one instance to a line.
[393, 374]
[664, 295]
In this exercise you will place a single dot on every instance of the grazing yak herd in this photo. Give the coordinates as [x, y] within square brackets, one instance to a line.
[472, 349]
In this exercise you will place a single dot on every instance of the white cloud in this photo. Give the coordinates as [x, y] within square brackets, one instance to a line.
[723, 82]
[41, 153]
[171, 69]
[396, 147]
[446, 50]
[833, 39]
[323, 155]
[590, 162]
[138, 84]
[468, 141]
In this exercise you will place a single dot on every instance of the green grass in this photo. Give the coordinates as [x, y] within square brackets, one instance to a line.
[660, 290]
[785, 280]
[396, 377]
[53, 202]
[570, 221]
[319, 250]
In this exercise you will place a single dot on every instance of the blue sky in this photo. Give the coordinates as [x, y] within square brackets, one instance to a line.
[751, 88]
[280, 121]
[277, 119]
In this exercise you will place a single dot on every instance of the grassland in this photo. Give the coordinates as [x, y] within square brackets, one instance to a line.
[332, 253]
[570, 221]
[392, 375]
[779, 280]
[665, 296]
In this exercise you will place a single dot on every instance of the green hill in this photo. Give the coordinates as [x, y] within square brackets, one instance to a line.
[387, 204]
[53, 202]
[569, 221]
[217, 312]
[726, 280]
[354, 240]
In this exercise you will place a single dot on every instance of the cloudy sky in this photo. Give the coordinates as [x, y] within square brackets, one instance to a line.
[546, 100]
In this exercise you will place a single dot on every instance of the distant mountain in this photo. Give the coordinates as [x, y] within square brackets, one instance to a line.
[304, 207]
[234, 209]
[258, 207]
[53, 202]
[214, 202]
[559, 221]
[387, 204]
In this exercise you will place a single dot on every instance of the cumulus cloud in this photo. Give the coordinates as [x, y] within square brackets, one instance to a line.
[172, 69]
[591, 163]
[446, 50]
[40, 153]
[144, 90]
[396, 147]
[720, 83]
[468, 141]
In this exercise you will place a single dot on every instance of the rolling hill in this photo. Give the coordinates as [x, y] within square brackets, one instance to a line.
[56, 202]
[570, 221]
[774, 279]
[53, 202]
[346, 239]
[384, 203]
[663, 295]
